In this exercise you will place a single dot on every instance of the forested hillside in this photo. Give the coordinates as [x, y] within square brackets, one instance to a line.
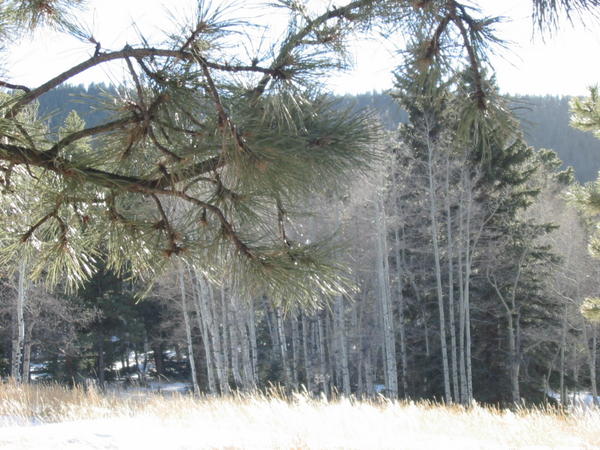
[544, 120]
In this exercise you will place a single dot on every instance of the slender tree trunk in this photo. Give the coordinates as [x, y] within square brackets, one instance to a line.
[19, 339]
[438, 272]
[341, 343]
[235, 348]
[241, 317]
[224, 341]
[101, 362]
[563, 345]
[593, 360]
[308, 372]
[450, 257]
[467, 292]
[27, 352]
[188, 331]
[461, 312]
[400, 297]
[369, 381]
[295, 349]
[202, 319]
[157, 349]
[324, 375]
[514, 358]
[252, 337]
[283, 353]
[389, 341]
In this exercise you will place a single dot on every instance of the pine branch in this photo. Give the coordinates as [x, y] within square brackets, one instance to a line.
[127, 52]
[14, 86]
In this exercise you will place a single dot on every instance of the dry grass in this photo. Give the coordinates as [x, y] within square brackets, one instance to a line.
[93, 420]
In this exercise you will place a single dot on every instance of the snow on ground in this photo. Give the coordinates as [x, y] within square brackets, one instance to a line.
[151, 433]
[279, 425]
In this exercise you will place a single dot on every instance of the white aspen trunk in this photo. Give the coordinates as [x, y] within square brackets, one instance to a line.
[466, 293]
[369, 381]
[514, 359]
[308, 373]
[464, 398]
[252, 337]
[234, 349]
[188, 331]
[324, 375]
[19, 340]
[203, 325]
[389, 341]
[330, 340]
[593, 360]
[224, 320]
[400, 295]
[438, 274]
[287, 378]
[247, 372]
[27, 352]
[514, 330]
[295, 349]
[215, 327]
[341, 344]
[415, 288]
[563, 345]
[452, 323]
[401, 327]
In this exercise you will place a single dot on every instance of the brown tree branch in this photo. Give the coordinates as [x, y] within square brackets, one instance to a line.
[20, 87]
[19, 155]
[127, 52]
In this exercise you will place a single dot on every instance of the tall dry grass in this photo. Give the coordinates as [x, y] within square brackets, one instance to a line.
[90, 419]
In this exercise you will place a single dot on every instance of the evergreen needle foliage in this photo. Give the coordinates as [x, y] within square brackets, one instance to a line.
[205, 155]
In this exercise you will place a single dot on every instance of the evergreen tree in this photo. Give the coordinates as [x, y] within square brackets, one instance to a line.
[585, 115]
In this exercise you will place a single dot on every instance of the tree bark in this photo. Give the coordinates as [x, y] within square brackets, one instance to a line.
[450, 257]
[188, 331]
[389, 340]
[438, 272]
[19, 339]
[308, 372]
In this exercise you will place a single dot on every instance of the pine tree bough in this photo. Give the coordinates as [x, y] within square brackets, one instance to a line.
[206, 156]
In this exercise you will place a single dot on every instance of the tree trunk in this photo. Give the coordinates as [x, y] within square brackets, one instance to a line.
[461, 311]
[188, 332]
[563, 345]
[202, 319]
[308, 372]
[594, 354]
[285, 367]
[295, 349]
[27, 352]
[101, 362]
[19, 339]
[324, 375]
[252, 337]
[401, 325]
[438, 272]
[340, 331]
[157, 350]
[467, 292]
[450, 257]
[389, 341]
[513, 355]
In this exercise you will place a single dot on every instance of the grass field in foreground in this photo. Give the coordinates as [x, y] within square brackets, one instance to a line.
[57, 417]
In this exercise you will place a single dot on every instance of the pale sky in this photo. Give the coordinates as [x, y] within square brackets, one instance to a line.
[564, 63]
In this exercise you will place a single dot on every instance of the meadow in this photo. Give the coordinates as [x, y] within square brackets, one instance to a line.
[56, 417]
